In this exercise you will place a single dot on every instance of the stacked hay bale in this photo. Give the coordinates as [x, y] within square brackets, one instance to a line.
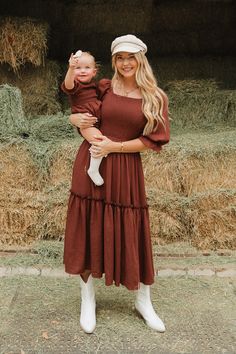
[190, 185]
[220, 69]
[13, 122]
[192, 189]
[23, 46]
[53, 145]
[29, 86]
[32, 202]
[22, 41]
[200, 103]
[18, 206]
[197, 171]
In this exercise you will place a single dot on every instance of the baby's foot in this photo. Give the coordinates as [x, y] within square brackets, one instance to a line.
[95, 177]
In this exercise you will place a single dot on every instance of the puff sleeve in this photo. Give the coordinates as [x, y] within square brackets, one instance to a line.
[74, 90]
[103, 86]
[161, 136]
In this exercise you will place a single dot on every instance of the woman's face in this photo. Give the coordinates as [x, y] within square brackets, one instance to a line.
[126, 64]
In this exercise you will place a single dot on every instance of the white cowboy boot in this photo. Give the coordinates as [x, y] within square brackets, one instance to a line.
[88, 306]
[144, 306]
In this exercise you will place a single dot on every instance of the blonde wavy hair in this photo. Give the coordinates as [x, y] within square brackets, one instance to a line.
[153, 96]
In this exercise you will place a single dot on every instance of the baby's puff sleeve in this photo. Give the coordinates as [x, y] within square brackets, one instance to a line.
[73, 90]
[161, 135]
[103, 86]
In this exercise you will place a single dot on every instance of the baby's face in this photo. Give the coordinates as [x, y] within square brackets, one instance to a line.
[86, 69]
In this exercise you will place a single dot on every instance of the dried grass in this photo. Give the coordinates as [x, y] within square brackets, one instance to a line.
[167, 217]
[181, 18]
[105, 20]
[37, 172]
[53, 219]
[212, 218]
[12, 120]
[22, 40]
[199, 175]
[206, 220]
[199, 103]
[52, 146]
[20, 211]
[39, 87]
[52, 128]
[27, 216]
[17, 168]
[61, 167]
[185, 68]
[193, 163]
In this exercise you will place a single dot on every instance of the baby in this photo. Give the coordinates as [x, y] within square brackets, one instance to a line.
[81, 89]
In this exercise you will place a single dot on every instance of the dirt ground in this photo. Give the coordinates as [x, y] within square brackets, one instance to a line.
[41, 315]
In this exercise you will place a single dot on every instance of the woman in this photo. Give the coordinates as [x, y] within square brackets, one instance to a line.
[107, 229]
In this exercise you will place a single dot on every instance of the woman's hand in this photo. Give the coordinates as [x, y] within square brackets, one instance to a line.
[101, 147]
[82, 120]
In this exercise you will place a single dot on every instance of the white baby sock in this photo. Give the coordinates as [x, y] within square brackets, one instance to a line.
[93, 170]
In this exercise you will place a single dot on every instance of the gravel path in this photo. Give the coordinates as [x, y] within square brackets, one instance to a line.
[41, 315]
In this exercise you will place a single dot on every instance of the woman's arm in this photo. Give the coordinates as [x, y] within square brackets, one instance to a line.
[85, 122]
[105, 146]
[134, 145]
[82, 120]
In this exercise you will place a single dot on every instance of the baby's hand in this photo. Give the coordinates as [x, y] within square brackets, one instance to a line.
[73, 61]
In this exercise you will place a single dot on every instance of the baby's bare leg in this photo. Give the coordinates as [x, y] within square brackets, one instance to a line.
[88, 133]
[93, 170]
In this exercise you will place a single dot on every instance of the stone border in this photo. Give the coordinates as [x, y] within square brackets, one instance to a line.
[222, 272]
[198, 272]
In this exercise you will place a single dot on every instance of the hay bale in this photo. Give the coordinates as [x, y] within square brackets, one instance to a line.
[208, 173]
[60, 171]
[53, 218]
[212, 218]
[198, 103]
[17, 167]
[168, 219]
[190, 87]
[22, 40]
[179, 68]
[52, 145]
[12, 120]
[30, 162]
[194, 42]
[20, 211]
[52, 128]
[181, 15]
[39, 87]
[27, 216]
[109, 17]
[192, 163]
[161, 171]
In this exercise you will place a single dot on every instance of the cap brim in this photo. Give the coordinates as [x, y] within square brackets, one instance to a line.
[126, 48]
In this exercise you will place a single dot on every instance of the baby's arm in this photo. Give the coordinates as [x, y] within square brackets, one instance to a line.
[89, 133]
[71, 73]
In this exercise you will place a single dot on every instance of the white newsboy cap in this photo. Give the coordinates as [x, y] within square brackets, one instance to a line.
[128, 43]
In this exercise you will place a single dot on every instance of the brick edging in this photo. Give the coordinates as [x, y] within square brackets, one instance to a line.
[6, 271]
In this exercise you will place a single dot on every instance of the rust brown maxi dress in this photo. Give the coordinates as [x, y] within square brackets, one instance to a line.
[107, 228]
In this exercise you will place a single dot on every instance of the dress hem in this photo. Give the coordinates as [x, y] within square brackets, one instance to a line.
[109, 283]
